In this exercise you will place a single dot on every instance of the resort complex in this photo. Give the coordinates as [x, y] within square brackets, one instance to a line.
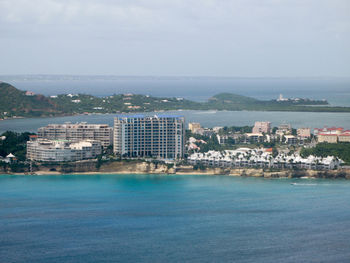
[164, 138]
[261, 158]
[44, 150]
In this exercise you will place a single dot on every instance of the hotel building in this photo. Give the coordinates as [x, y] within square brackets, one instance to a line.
[78, 132]
[332, 135]
[44, 150]
[159, 136]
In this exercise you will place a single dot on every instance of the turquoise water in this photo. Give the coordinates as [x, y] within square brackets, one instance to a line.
[153, 218]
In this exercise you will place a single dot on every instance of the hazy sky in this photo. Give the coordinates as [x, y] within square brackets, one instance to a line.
[250, 38]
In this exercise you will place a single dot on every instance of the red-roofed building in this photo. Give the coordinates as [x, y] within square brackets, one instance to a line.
[344, 137]
[268, 150]
[331, 130]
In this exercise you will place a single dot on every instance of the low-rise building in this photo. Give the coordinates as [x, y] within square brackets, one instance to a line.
[344, 137]
[254, 137]
[194, 126]
[222, 139]
[304, 133]
[284, 129]
[291, 139]
[245, 157]
[44, 150]
[324, 137]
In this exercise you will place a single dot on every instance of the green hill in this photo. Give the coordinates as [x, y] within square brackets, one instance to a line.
[14, 102]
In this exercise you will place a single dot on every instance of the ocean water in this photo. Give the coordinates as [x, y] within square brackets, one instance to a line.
[155, 218]
[335, 90]
[205, 118]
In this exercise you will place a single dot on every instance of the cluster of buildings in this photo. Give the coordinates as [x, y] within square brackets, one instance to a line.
[332, 134]
[159, 136]
[262, 158]
[163, 137]
[261, 132]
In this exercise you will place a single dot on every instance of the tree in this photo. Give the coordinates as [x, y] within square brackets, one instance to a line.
[15, 143]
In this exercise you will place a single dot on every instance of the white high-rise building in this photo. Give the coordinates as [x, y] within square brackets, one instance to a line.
[159, 136]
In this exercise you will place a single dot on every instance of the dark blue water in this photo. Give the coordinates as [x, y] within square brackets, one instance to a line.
[145, 218]
[335, 90]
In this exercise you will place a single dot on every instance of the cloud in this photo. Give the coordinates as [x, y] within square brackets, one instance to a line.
[221, 31]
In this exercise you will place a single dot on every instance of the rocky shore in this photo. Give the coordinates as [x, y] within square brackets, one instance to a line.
[142, 167]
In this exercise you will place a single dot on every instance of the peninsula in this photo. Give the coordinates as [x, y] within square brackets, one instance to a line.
[16, 103]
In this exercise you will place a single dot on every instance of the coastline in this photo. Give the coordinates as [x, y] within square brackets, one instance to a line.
[145, 168]
[313, 110]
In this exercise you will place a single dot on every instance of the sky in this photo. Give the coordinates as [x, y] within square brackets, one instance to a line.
[237, 38]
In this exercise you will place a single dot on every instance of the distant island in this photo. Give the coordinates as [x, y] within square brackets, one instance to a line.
[15, 103]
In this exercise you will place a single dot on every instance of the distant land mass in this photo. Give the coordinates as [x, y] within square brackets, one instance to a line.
[17, 103]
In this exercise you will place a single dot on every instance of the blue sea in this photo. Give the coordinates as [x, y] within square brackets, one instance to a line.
[155, 218]
[335, 90]
[159, 218]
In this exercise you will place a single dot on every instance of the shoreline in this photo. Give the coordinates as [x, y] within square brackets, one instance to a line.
[92, 167]
[160, 111]
[257, 173]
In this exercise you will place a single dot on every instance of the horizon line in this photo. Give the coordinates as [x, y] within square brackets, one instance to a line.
[45, 75]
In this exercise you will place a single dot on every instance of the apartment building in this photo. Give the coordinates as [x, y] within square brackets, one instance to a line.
[78, 132]
[194, 126]
[304, 133]
[262, 127]
[159, 136]
[284, 129]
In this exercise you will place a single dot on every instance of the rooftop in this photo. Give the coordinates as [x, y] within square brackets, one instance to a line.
[141, 116]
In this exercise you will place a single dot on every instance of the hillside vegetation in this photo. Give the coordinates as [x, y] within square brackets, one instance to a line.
[340, 150]
[14, 102]
[15, 143]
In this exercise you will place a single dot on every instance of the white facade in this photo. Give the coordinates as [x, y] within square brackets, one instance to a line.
[59, 151]
[245, 157]
[149, 136]
[78, 132]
